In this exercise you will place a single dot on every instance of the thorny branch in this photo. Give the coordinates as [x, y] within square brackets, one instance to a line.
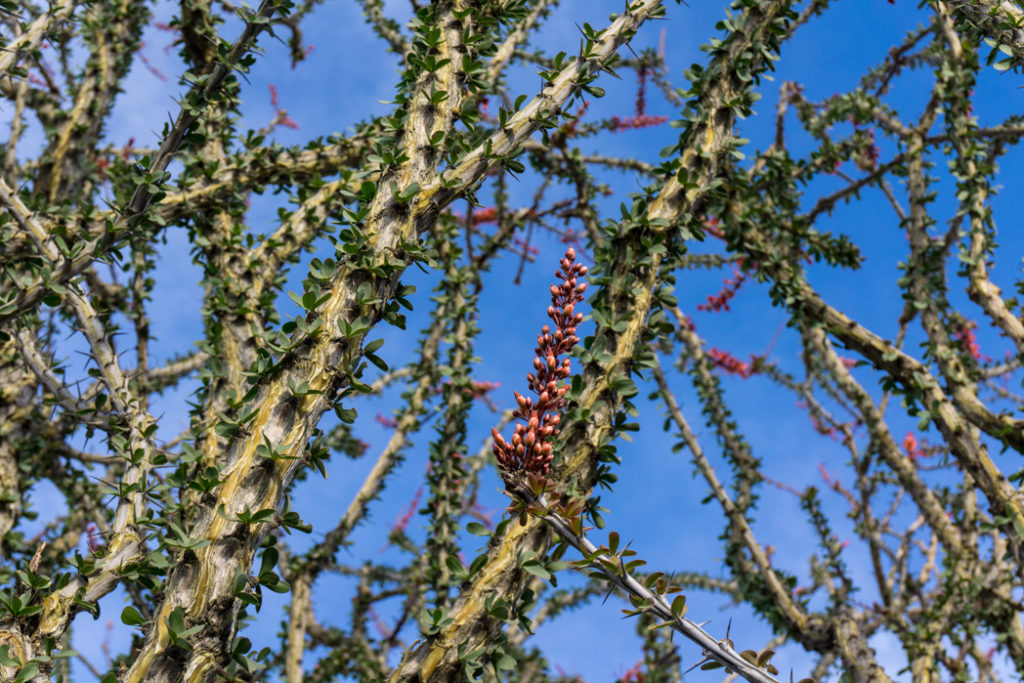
[917, 533]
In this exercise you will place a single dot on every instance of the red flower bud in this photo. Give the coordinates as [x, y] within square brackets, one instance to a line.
[550, 368]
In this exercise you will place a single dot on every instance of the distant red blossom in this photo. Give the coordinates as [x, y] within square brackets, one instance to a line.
[829, 481]
[965, 334]
[488, 215]
[711, 227]
[720, 301]
[482, 388]
[281, 117]
[634, 673]
[569, 129]
[403, 520]
[635, 122]
[911, 447]
[152, 69]
[730, 364]
[916, 450]
[641, 119]
[819, 426]
[525, 246]
[386, 422]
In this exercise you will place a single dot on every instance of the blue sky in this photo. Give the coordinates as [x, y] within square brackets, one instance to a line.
[349, 76]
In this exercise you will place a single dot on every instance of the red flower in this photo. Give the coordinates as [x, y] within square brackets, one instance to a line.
[720, 301]
[403, 521]
[530, 447]
[528, 248]
[825, 476]
[488, 215]
[729, 363]
[634, 673]
[481, 389]
[634, 122]
[711, 227]
[281, 117]
[152, 69]
[386, 422]
[965, 334]
[911, 446]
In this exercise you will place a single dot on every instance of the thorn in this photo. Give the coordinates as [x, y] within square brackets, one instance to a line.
[705, 659]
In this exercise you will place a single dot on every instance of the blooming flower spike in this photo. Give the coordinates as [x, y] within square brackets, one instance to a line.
[530, 450]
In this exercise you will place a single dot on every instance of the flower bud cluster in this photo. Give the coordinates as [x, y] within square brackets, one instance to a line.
[530, 449]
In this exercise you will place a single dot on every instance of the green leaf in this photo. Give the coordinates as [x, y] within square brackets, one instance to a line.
[131, 617]
[477, 529]
[537, 570]
[5, 656]
[30, 671]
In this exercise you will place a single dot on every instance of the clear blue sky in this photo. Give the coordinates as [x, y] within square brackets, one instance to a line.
[655, 504]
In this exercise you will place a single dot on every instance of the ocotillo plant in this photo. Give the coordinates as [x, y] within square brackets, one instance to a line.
[204, 438]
